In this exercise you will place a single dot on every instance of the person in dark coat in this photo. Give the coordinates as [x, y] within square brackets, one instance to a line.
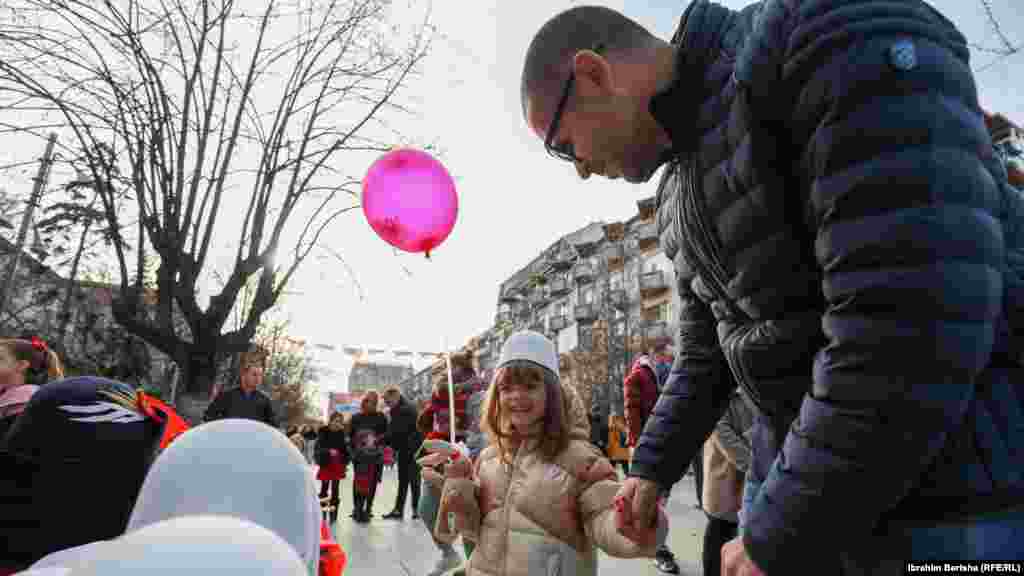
[367, 432]
[72, 466]
[847, 250]
[402, 436]
[245, 401]
[332, 456]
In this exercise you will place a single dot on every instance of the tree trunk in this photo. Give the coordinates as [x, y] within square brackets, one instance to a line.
[197, 375]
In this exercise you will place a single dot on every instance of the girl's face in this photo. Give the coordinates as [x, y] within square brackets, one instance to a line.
[12, 371]
[522, 401]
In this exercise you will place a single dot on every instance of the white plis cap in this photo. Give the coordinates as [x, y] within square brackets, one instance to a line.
[532, 347]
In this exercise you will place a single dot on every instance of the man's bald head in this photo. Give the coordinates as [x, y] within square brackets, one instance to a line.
[549, 57]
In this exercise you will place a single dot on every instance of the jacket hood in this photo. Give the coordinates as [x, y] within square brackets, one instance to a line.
[239, 468]
[194, 545]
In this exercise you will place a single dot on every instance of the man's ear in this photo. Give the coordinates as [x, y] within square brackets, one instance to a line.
[594, 75]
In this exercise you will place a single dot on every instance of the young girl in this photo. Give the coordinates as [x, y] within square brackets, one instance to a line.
[539, 499]
[332, 457]
[25, 365]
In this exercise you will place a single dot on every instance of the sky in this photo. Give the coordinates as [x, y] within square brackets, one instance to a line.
[514, 200]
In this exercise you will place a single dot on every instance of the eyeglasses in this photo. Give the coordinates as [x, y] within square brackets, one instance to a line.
[564, 151]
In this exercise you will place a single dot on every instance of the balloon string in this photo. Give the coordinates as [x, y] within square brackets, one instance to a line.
[451, 391]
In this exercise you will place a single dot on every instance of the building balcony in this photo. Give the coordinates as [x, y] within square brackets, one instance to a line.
[539, 299]
[618, 298]
[558, 287]
[538, 327]
[585, 314]
[653, 283]
[646, 207]
[560, 260]
[558, 323]
[615, 255]
[522, 314]
[583, 273]
[647, 236]
[585, 249]
[615, 231]
[657, 332]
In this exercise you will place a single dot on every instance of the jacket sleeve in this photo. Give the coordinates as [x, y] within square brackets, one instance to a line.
[268, 412]
[597, 513]
[882, 110]
[217, 408]
[729, 436]
[692, 400]
[467, 522]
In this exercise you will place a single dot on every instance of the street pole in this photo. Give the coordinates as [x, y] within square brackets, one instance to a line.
[26, 219]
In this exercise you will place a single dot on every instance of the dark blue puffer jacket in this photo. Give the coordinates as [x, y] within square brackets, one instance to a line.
[846, 252]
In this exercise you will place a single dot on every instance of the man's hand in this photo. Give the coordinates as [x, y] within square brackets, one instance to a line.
[636, 506]
[736, 562]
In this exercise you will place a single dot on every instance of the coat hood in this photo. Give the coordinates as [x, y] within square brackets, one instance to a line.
[239, 468]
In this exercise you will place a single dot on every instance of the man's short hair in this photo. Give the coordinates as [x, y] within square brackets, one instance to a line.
[560, 38]
[392, 391]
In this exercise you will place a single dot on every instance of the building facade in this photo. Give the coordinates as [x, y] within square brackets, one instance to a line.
[603, 294]
[368, 375]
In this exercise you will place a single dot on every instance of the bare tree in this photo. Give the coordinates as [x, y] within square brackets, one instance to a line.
[197, 99]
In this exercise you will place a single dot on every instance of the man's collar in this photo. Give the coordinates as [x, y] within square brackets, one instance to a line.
[696, 41]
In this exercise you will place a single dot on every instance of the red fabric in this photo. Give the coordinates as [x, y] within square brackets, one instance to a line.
[640, 392]
[389, 456]
[364, 480]
[332, 557]
[335, 469]
[440, 407]
[176, 425]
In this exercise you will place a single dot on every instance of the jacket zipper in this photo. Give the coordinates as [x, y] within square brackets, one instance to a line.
[510, 469]
[703, 252]
[704, 258]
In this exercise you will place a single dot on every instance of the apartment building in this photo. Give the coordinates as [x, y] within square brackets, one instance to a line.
[602, 293]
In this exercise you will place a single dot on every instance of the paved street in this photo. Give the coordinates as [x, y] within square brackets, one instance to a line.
[392, 548]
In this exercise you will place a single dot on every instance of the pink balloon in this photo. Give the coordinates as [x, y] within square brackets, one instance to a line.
[409, 200]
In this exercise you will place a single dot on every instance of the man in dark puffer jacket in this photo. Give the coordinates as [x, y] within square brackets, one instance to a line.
[845, 251]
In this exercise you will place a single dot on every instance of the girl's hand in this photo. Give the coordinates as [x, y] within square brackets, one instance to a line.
[458, 468]
[431, 476]
[431, 460]
[456, 501]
